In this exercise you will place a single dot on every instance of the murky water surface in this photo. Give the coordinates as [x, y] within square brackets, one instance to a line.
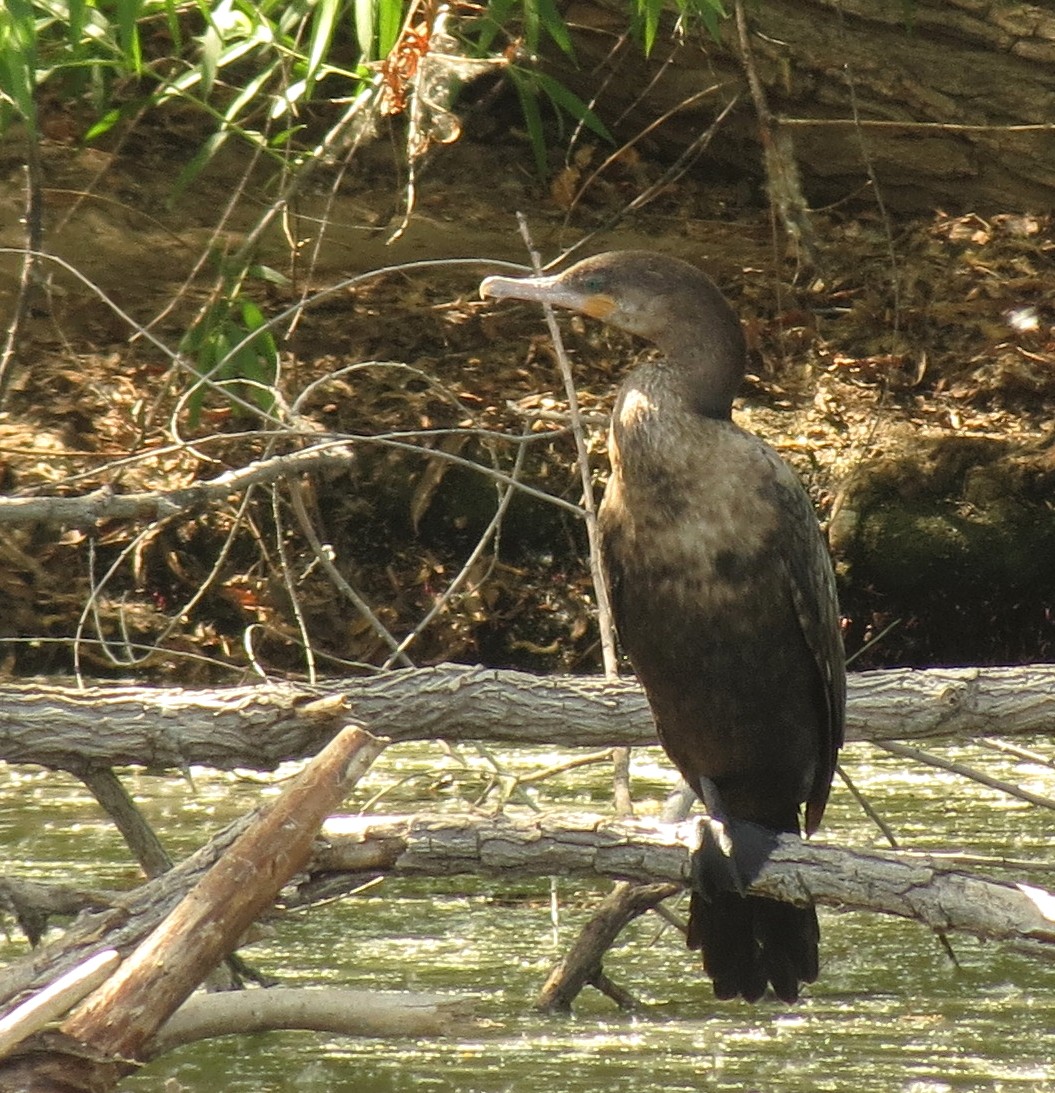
[891, 1012]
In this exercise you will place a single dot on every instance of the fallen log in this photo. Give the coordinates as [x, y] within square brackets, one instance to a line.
[915, 886]
[317, 1009]
[106, 1034]
[259, 727]
[939, 97]
[926, 888]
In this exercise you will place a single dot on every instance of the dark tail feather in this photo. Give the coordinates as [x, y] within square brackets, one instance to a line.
[749, 942]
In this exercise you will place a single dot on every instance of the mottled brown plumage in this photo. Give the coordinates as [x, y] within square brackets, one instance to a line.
[723, 597]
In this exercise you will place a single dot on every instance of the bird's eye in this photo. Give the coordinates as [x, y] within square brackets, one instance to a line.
[594, 283]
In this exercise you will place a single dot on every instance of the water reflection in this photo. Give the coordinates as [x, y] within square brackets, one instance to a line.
[890, 1011]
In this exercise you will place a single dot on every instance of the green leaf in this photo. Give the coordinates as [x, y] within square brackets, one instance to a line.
[76, 12]
[389, 25]
[252, 316]
[496, 16]
[18, 60]
[570, 103]
[172, 22]
[711, 14]
[365, 28]
[531, 26]
[198, 161]
[128, 12]
[322, 26]
[555, 25]
[651, 13]
[103, 125]
[211, 47]
[527, 93]
[269, 275]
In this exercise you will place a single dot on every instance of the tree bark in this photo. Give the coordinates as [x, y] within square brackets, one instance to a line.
[102, 1038]
[949, 102]
[261, 726]
[319, 1009]
[926, 888]
[912, 886]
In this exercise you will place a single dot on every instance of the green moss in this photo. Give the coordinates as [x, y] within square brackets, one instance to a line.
[957, 541]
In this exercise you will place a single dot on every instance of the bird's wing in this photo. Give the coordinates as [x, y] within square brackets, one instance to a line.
[812, 584]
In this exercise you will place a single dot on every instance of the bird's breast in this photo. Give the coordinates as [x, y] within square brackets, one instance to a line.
[692, 509]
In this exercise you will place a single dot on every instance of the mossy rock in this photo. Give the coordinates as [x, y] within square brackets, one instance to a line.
[955, 537]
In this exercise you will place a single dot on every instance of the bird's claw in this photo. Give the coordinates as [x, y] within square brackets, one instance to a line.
[729, 855]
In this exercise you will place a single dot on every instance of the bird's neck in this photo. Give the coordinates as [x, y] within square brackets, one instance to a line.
[704, 361]
[657, 420]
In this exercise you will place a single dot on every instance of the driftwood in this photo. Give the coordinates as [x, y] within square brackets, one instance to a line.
[581, 964]
[318, 1009]
[125, 920]
[940, 100]
[911, 886]
[33, 903]
[57, 999]
[87, 510]
[940, 895]
[108, 1031]
[261, 726]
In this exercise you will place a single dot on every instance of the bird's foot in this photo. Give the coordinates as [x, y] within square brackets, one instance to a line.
[729, 855]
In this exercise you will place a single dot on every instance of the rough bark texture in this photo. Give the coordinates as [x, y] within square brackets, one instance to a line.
[947, 81]
[95, 1044]
[911, 886]
[924, 888]
[261, 726]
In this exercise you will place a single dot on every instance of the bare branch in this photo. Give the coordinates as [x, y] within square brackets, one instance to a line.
[920, 887]
[621, 759]
[650, 852]
[128, 818]
[965, 771]
[320, 1009]
[103, 504]
[264, 725]
[153, 981]
[56, 999]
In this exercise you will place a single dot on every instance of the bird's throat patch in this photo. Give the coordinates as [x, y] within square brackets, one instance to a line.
[598, 306]
[635, 407]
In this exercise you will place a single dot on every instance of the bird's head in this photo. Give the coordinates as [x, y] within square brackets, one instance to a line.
[665, 300]
[626, 289]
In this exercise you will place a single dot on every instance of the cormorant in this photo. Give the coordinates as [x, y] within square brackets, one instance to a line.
[724, 600]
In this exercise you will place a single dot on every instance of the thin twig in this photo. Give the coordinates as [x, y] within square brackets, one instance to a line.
[91, 606]
[604, 610]
[623, 803]
[1024, 754]
[30, 258]
[323, 556]
[867, 807]
[291, 586]
[640, 135]
[782, 175]
[932, 760]
[232, 397]
[118, 804]
[102, 504]
[912, 126]
[669, 176]
[489, 533]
